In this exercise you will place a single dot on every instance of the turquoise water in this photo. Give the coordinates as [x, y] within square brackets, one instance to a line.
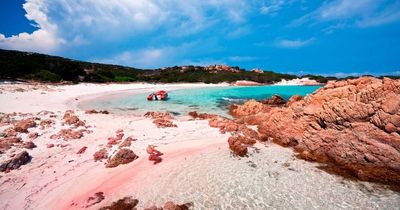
[211, 99]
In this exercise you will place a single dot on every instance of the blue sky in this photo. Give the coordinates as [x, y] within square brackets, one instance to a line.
[337, 37]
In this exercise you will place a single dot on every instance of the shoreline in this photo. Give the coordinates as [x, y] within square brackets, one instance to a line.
[59, 175]
[63, 98]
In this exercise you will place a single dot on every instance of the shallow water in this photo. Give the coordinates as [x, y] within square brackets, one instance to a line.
[270, 178]
[211, 100]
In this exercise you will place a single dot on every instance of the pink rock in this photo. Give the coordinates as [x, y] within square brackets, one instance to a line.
[82, 150]
[101, 154]
[123, 156]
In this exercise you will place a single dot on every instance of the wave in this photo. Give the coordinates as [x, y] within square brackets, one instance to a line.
[233, 99]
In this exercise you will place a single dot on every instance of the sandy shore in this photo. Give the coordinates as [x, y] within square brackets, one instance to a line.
[58, 176]
[197, 165]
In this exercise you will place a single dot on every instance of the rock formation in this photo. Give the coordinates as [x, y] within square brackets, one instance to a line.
[71, 118]
[15, 162]
[126, 203]
[93, 111]
[161, 119]
[101, 154]
[154, 155]
[123, 156]
[353, 124]
[23, 125]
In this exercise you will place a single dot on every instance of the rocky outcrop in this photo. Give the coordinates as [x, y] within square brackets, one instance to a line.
[127, 203]
[23, 125]
[28, 145]
[353, 124]
[15, 162]
[7, 142]
[237, 146]
[154, 155]
[123, 156]
[93, 111]
[71, 118]
[95, 199]
[171, 206]
[46, 123]
[100, 155]
[161, 119]
[275, 100]
[119, 134]
[127, 142]
[251, 107]
[242, 135]
[68, 134]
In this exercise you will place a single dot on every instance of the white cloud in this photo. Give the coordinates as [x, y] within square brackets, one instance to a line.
[361, 13]
[294, 44]
[271, 7]
[85, 22]
[38, 41]
[388, 15]
[241, 58]
[151, 57]
[44, 39]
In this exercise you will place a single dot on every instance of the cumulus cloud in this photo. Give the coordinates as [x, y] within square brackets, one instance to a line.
[294, 44]
[44, 39]
[85, 22]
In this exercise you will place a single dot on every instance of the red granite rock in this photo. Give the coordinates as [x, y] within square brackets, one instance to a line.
[123, 156]
[82, 150]
[101, 154]
[28, 145]
[15, 162]
[23, 125]
[127, 203]
[237, 147]
[352, 124]
[71, 118]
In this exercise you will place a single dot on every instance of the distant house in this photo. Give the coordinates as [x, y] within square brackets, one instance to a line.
[220, 68]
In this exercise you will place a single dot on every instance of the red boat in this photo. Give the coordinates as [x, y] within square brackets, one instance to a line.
[159, 95]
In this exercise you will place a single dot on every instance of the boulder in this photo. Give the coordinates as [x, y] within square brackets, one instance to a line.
[100, 155]
[15, 162]
[275, 100]
[127, 203]
[68, 134]
[154, 154]
[46, 123]
[193, 114]
[7, 142]
[23, 125]
[92, 111]
[71, 119]
[172, 206]
[237, 147]
[28, 145]
[123, 156]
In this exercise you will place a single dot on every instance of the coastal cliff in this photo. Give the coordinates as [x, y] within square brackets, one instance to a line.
[354, 125]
